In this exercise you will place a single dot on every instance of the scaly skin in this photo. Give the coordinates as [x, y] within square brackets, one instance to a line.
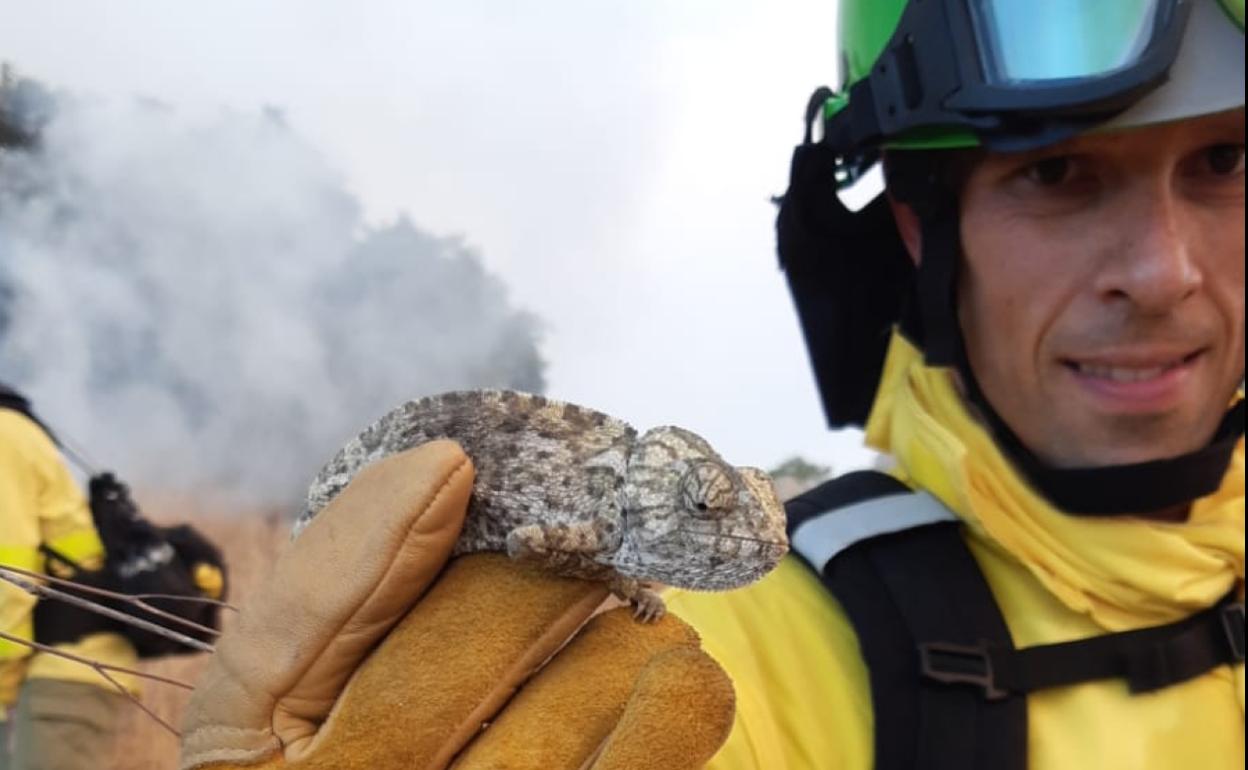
[584, 495]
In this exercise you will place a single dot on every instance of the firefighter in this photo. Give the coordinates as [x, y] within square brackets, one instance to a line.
[1042, 321]
[60, 714]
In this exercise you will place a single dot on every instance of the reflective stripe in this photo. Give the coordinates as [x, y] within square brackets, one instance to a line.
[20, 556]
[23, 629]
[822, 537]
[79, 546]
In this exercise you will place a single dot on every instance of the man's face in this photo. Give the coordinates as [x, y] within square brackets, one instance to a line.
[1102, 289]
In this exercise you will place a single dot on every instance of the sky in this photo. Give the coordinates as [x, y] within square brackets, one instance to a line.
[612, 162]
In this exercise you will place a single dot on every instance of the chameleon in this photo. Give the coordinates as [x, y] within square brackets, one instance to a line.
[584, 495]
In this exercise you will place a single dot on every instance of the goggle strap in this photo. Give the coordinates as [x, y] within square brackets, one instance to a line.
[937, 276]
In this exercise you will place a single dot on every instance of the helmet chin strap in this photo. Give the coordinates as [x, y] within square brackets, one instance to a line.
[1112, 490]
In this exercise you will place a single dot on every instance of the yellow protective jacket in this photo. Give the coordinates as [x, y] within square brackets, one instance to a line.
[804, 699]
[40, 504]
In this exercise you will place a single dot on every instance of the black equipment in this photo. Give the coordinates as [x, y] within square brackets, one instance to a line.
[949, 688]
[178, 563]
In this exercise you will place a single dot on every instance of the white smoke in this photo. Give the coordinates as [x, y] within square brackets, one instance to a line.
[198, 301]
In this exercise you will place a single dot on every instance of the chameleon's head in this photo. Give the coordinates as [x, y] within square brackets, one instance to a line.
[693, 521]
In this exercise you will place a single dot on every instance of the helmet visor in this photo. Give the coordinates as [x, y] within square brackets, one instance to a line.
[1023, 41]
[1017, 74]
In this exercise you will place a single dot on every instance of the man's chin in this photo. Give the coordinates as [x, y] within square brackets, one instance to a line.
[1134, 440]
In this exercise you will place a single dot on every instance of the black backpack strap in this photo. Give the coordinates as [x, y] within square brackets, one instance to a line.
[929, 589]
[1147, 658]
[948, 686]
[54, 557]
[911, 579]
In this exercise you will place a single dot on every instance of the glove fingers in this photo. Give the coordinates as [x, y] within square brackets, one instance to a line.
[371, 566]
[679, 715]
[561, 718]
[449, 666]
[356, 569]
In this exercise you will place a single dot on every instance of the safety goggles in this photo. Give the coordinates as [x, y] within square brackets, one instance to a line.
[1015, 73]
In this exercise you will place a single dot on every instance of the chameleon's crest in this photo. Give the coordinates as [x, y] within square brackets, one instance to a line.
[693, 521]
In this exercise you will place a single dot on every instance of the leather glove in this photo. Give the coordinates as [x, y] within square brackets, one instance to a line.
[368, 650]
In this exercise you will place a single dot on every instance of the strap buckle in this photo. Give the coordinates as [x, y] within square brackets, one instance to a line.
[949, 663]
[1233, 624]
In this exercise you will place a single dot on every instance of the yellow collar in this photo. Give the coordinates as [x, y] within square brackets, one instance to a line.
[1122, 572]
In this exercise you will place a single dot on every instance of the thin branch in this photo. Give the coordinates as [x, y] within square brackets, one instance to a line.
[95, 664]
[178, 598]
[40, 590]
[135, 600]
[102, 669]
[10, 575]
[136, 701]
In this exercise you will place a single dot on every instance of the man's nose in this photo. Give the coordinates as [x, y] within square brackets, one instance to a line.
[1154, 267]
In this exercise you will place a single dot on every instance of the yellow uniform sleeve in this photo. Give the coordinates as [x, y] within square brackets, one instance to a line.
[40, 500]
[803, 695]
[25, 454]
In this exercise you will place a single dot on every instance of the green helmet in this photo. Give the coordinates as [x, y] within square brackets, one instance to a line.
[1018, 73]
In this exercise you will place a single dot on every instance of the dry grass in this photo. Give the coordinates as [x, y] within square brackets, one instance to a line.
[250, 543]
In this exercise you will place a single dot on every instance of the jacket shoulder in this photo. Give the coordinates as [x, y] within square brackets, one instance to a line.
[24, 442]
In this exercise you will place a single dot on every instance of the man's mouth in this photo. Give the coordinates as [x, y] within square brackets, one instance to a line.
[1125, 373]
[1136, 382]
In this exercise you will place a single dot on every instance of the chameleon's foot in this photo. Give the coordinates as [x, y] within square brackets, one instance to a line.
[527, 542]
[647, 606]
[582, 538]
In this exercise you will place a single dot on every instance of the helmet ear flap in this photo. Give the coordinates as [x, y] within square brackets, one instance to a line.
[849, 274]
[852, 278]
[929, 182]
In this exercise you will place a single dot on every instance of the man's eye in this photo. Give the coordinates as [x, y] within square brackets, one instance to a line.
[1050, 172]
[1225, 159]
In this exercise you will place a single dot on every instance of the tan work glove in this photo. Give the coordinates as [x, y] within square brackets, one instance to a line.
[363, 652]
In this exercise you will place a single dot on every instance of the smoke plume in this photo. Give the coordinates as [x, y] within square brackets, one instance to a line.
[198, 301]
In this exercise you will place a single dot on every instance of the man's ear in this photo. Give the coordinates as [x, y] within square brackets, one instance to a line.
[909, 228]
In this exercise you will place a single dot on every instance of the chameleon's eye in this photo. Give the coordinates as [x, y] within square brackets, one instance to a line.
[708, 490]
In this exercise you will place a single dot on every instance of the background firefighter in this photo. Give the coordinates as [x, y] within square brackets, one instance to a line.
[61, 714]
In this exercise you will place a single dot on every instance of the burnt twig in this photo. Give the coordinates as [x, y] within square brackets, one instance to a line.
[136, 600]
[15, 577]
[102, 669]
